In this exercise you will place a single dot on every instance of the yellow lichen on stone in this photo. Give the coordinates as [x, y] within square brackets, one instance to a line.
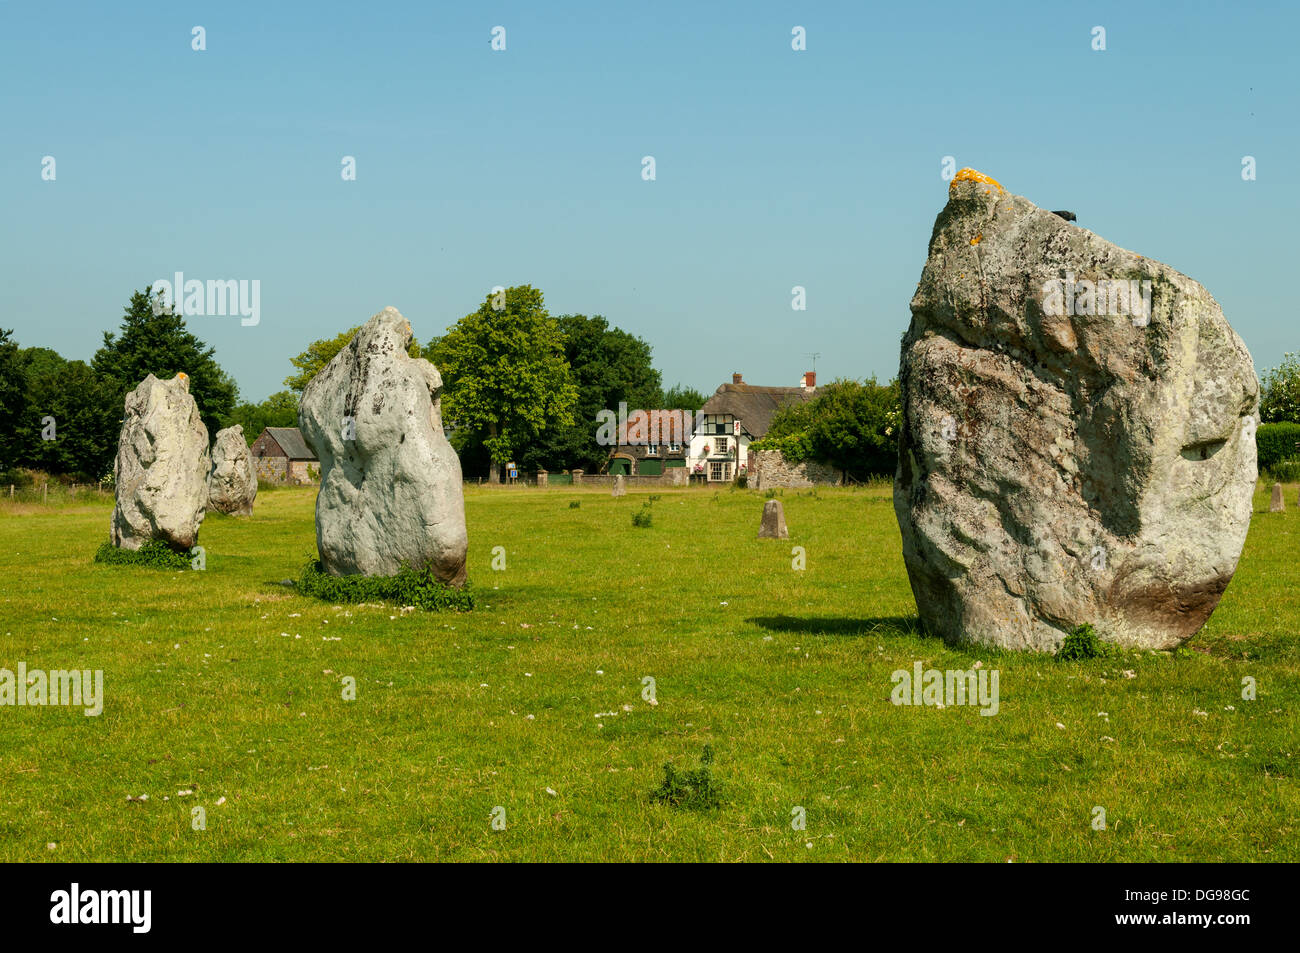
[970, 175]
[977, 238]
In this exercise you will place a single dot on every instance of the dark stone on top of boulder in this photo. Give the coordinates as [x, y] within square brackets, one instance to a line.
[161, 469]
[773, 522]
[1066, 455]
[390, 483]
[1068, 216]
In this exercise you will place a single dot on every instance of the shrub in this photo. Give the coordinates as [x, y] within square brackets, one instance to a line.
[410, 587]
[574, 504]
[742, 481]
[1280, 391]
[1285, 472]
[1083, 643]
[154, 554]
[642, 517]
[1277, 443]
[694, 790]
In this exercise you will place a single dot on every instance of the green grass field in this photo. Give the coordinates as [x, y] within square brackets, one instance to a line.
[228, 684]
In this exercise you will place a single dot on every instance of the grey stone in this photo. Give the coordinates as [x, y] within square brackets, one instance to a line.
[161, 469]
[1063, 468]
[390, 485]
[1278, 503]
[232, 484]
[620, 489]
[773, 522]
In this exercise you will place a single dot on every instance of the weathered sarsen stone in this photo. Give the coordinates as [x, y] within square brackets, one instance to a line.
[1078, 434]
[390, 489]
[232, 484]
[161, 470]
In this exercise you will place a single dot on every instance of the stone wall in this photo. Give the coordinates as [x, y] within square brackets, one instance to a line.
[768, 469]
[271, 469]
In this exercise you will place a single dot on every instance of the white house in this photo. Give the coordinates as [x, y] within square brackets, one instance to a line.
[734, 417]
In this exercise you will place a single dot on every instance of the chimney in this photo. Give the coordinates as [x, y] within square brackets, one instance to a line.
[736, 379]
[809, 380]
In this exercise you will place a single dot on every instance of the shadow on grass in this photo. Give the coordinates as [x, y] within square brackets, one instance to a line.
[837, 625]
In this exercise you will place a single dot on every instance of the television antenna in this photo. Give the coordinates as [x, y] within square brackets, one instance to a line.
[813, 355]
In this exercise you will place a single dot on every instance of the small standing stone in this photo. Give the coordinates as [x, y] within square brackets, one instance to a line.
[232, 484]
[1278, 505]
[773, 525]
[619, 488]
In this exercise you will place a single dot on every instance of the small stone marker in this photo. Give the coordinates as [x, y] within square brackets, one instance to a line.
[773, 525]
[1278, 505]
[619, 488]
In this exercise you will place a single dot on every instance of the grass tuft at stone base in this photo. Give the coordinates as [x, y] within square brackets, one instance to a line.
[410, 587]
[154, 554]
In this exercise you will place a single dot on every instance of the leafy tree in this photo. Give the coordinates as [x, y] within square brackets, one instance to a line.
[850, 425]
[278, 410]
[678, 397]
[505, 377]
[319, 353]
[609, 366]
[13, 401]
[86, 416]
[153, 339]
[1280, 392]
[855, 427]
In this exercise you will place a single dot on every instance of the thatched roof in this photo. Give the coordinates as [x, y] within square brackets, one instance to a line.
[755, 406]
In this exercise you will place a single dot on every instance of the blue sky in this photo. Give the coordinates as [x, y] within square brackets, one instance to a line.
[475, 168]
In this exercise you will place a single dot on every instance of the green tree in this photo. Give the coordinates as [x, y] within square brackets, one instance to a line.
[678, 397]
[1280, 392]
[319, 353]
[153, 339]
[505, 377]
[609, 366]
[81, 409]
[13, 401]
[278, 410]
[850, 425]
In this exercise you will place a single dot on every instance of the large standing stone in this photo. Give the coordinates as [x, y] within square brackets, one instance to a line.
[161, 470]
[390, 488]
[773, 523]
[232, 485]
[1278, 503]
[1060, 466]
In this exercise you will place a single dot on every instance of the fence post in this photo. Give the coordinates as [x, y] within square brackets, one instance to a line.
[45, 492]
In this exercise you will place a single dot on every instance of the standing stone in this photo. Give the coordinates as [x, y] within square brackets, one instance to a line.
[232, 485]
[161, 470]
[619, 488]
[543, 479]
[1278, 503]
[1064, 455]
[773, 524]
[390, 483]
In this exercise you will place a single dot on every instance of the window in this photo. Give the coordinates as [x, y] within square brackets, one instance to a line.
[652, 450]
[674, 448]
[719, 470]
[721, 445]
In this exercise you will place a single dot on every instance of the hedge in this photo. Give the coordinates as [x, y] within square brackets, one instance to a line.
[1276, 443]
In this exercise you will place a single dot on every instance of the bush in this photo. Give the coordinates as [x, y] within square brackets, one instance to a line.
[1277, 443]
[694, 790]
[154, 554]
[1280, 391]
[1286, 472]
[742, 481]
[574, 504]
[643, 517]
[410, 587]
[1083, 643]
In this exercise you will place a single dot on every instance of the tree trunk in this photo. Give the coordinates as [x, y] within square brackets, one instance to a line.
[495, 471]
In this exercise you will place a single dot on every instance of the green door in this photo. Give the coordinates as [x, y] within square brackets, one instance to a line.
[619, 465]
[651, 467]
